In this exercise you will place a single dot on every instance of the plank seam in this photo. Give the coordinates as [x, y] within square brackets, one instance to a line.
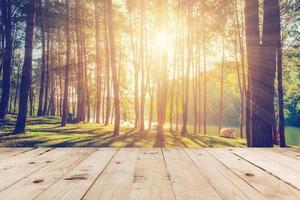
[99, 174]
[30, 173]
[135, 164]
[27, 150]
[166, 167]
[236, 174]
[76, 163]
[266, 171]
[209, 182]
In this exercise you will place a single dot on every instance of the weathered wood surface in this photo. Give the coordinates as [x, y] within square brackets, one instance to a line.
[154, 173]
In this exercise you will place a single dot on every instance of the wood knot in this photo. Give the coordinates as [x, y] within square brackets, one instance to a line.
[38, 181]
[249, 174]
[76, 177]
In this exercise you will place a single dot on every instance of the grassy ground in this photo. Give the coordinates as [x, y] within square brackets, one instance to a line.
[46, 132]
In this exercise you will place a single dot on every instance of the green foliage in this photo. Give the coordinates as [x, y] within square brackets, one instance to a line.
[292, 136]
[291, 78]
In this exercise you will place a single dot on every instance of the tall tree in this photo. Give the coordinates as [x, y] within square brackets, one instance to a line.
[239, 42]
[187, 76]
[7, 61]
[2, 35]
[27, 67]
[43, 66]
[67, 68]
[222, 86]
[252, 45]
[107, 71]
[262, 65]
[142, 68]
[130, 4]
[98, 64]
[280, 130]
[113, 69]
[162, 74]
[47, 63]
[80, 68]
[204, 85]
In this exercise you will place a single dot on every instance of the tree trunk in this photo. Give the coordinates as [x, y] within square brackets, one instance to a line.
[17, 89]
[107, 72]
[222, 87]
[136, 69]
[238, 40]
[85, 92]
[161, 77]
[31, 101]
[7, 12]
[281, 125]
[67, 69]
[187, 78]
[43, 66]
[262, 65]
[98, 63]
[113, 69]
[204, 84]
[80, 71]
[2, 37]
[27, 68]
[142, 68]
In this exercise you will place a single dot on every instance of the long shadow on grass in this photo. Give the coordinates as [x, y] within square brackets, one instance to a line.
[210, 141]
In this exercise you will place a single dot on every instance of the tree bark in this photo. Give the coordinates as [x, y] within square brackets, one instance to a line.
[7, 62]
[142, 68]
[222, 87]
[80, 70]
[281, 122]
[98, 63]
[187, 78]
[67, 68]
[262, 65]
[162, 77]
[27, 68]
[43, 66]
[204, 85]
[107, 72]
[17, 89]
[136, 70]
[114, 70]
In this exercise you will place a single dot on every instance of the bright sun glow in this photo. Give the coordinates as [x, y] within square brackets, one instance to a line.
[162, 40]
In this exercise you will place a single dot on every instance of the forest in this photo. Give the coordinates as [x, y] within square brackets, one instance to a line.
[155, 69]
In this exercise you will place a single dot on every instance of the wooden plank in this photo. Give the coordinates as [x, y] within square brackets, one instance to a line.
[221, 177]
[287, 152]
[29, 187]
[21, 159]
[274, 155]
[297, 150]
[284, 171]
[262, 181]
[14, 174]
[75, 183]
[186, 180]
[115, 181]
[8, 152]
[151, 179]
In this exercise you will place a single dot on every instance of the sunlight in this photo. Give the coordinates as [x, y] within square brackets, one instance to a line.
[162, 40]
[146, 64]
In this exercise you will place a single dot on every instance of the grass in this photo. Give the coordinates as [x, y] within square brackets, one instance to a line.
[47, 132]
